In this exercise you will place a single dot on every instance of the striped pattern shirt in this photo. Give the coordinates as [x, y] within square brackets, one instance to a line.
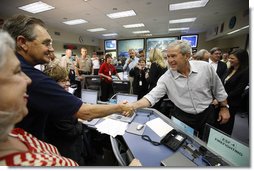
[39, 153]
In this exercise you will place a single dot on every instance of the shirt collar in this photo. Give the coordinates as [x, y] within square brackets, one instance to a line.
[176, 74]
[211, 62]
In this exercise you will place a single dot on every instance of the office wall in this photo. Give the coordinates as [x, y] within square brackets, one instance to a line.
[59, 49]
[224, 43]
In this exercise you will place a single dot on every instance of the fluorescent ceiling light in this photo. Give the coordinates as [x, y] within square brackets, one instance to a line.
[183, 20]
[147, 35]
[36, 7]
[74, 22]
[134, 25]
[188, 5]
[96, 29]
[179, 29]
[110, 34]
[140, 32]
[121, 14]
[238, 30]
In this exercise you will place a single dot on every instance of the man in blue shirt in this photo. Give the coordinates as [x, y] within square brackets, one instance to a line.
[47, 99]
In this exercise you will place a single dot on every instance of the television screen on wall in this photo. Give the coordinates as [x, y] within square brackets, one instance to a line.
[123, 46]
[160, 43]
[109, 45]
[193, 39]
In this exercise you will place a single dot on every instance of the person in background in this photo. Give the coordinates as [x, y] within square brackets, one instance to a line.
[84, 64]
[141, 54]
[48, 100]
[68, 63]
[95, 64]
[139, 72]
[202, 55]
[130, 63]
[106, 71]
[59, 74]
[157, 69]
[192, 101]
[66, 134]
[235, 81]
[214, 60]
[225, 59]
[18, 147]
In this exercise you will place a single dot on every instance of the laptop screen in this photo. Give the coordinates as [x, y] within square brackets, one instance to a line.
[89, 96]
[128, 97]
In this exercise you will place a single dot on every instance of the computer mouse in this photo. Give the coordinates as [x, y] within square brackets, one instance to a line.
[140, 126]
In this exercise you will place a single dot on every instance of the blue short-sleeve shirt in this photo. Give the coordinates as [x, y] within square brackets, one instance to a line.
[47, 100]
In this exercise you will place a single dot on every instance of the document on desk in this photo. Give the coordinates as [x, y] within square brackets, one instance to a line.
[112, 127]
[159, 126]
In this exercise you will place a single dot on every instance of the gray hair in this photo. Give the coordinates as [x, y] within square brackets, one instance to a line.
[215, 49]
[5, 41]
[200, 54]
[22, 25]
[7, 119]
[183, 45]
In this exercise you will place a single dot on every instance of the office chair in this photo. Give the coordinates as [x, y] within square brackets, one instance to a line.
[121, 152]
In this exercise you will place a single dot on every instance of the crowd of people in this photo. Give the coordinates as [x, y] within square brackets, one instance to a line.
[45, 115]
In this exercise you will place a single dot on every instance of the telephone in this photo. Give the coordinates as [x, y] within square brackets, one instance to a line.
[173, 139]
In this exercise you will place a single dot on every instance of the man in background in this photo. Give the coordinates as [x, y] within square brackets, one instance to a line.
[130, 63]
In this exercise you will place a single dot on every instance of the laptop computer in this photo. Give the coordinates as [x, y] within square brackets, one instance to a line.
[177, 159]
[89, 97]
[122, 97]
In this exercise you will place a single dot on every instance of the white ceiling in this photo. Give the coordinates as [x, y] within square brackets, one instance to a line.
[153, 13]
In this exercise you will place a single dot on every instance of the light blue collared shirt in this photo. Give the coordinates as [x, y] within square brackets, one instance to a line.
[192, 94]
[131, 65]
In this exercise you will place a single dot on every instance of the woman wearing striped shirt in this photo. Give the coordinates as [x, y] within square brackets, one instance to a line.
[17, 147]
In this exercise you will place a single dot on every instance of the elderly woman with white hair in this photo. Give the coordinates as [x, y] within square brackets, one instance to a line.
[18, 147]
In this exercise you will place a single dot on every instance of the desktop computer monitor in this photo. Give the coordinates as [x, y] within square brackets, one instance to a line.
[89, 96]
[128, 97]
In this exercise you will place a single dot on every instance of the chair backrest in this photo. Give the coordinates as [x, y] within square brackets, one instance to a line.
[116, 150]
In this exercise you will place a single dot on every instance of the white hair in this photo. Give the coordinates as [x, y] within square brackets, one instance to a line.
[7, 119]
[5, 41]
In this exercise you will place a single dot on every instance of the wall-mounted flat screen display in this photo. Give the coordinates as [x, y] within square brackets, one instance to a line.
[160, 43]
[193, 39]
[123, 46]
[109, 45]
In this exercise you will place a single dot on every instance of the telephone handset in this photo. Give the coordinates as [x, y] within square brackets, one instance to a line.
[173, 139]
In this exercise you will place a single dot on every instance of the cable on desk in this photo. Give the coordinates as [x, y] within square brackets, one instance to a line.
[147, 138]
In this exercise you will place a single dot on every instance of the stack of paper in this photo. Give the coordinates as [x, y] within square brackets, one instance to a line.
[112, 127]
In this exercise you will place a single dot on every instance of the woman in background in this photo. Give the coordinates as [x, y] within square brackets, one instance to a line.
[106, 71]
[18, 147]
[140, 86]
[235, 81]
[157, 69]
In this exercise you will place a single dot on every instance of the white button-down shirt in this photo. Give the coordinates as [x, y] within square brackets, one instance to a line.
[192, 94]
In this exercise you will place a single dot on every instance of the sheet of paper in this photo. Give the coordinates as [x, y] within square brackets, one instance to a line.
[112, 127]
[160, 127]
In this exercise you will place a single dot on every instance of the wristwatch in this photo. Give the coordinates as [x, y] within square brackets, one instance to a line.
[227, 106]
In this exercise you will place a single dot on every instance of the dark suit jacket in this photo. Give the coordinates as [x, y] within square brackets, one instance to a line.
[221, 69]
[235, 87]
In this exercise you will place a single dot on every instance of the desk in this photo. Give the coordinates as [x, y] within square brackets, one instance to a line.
[150, 155]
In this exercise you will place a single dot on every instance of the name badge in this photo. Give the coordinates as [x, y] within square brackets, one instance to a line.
[140, 83]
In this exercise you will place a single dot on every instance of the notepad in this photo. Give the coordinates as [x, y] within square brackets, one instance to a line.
[160, 127]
